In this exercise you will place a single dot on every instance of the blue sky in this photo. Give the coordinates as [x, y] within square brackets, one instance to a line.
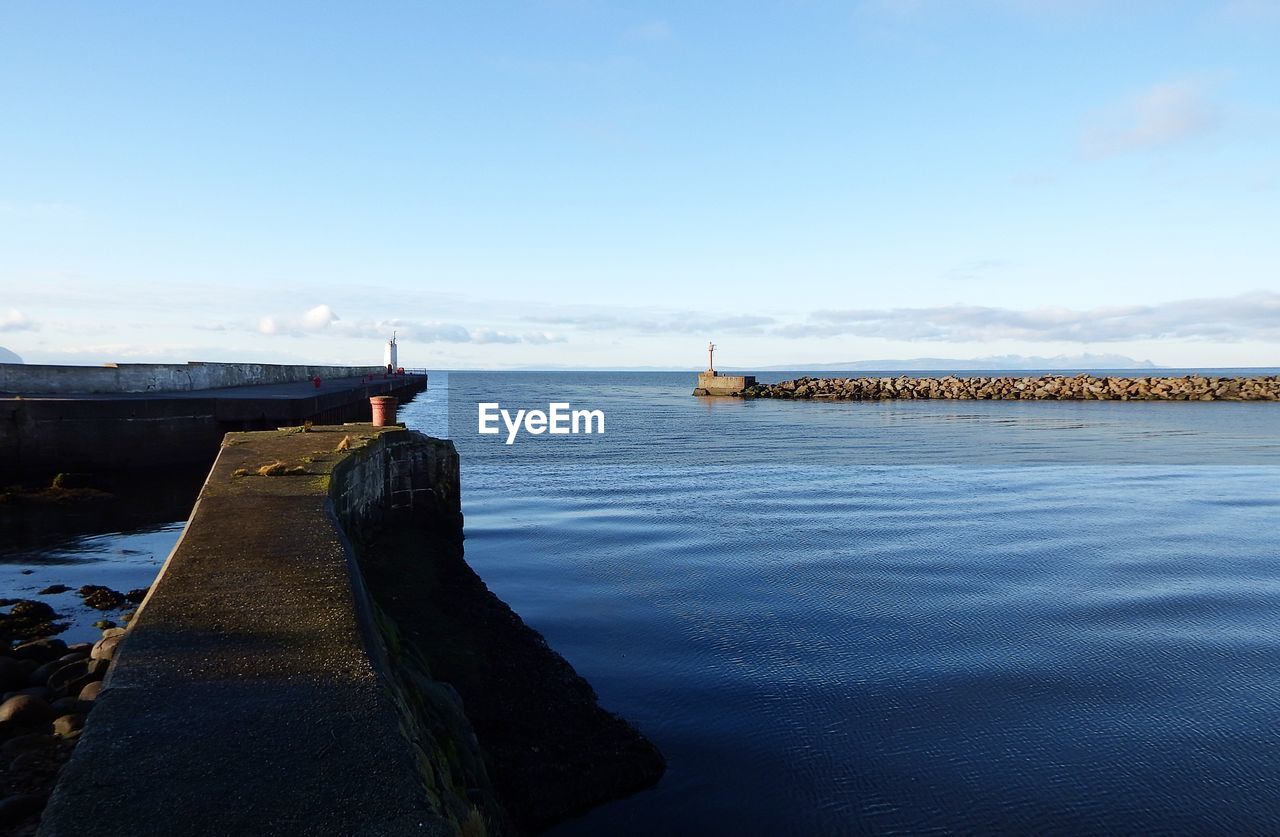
[580, 183]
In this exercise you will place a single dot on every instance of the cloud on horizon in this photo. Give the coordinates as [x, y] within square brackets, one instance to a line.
[322, 319]
[15, 320]
[312, 320]
[685, 322]
[1253, 316]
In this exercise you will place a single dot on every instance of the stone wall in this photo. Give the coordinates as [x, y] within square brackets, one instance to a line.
[161, 377]
[1044, 388]
[42, 435]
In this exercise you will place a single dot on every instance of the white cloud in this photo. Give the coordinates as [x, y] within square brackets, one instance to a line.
[433, 332]
[323, 319]
[915, 8]
[1253, 316]
[652, 30]
[1163, 115]
[319, 317]
[15, 320]
[312, 320]
[1249, 12]
[680, 322]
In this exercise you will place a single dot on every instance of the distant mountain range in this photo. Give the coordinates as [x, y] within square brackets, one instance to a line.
[1085, 361]
[7, 356]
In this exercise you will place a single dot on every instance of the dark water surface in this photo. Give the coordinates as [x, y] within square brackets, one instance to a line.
[897, 617]
[900, 617]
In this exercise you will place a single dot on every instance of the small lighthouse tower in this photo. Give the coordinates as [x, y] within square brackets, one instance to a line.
[390, 358]
[712, 382]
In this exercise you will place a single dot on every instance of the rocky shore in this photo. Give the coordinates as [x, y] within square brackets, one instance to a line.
[49, 688]
[1042, 388]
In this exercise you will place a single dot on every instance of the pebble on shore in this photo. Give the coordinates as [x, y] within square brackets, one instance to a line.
[47, 689]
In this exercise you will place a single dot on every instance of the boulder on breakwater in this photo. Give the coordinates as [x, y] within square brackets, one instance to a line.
[1042, 388]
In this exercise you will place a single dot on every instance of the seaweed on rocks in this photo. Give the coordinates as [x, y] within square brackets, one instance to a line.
[29, 618]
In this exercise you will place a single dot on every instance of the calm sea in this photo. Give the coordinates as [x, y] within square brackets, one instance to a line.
[897, 617]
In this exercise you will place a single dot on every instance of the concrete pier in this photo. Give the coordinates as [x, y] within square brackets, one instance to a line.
[248, 696]
[42, 434]
[302, 664]
[713, 383]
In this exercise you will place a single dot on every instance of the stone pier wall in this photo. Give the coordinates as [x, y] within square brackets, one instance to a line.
[1043, 388]
[251, 693]
[114, 378]
[301, 664]
[42, 435]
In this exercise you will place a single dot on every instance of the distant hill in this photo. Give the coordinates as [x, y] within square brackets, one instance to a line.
[1084, 361]
[7, 356]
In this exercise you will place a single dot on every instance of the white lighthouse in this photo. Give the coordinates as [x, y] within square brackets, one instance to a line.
[389, 357]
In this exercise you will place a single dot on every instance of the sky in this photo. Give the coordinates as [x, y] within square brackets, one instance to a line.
[573, 183]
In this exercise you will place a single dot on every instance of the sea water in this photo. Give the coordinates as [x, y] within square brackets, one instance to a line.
[882, 617]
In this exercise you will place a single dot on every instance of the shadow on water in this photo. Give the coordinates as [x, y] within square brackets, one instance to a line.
[119, 502]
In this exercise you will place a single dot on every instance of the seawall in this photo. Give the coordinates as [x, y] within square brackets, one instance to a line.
[42, 435]
[265, 685]
[1043, 388]
[112, 378]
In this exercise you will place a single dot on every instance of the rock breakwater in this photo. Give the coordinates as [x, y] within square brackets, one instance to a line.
[1043, 388]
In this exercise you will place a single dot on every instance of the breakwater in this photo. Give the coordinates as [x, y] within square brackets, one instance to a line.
[286, 673]
[115, 378]
[1041, 388]
[41, 435]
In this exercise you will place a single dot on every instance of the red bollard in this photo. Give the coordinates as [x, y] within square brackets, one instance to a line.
[384, 409]
[316, 381]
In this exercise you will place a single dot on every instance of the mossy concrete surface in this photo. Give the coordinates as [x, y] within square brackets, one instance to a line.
[245, 698]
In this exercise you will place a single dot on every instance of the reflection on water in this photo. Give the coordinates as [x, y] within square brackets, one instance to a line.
[917, 617]
[131, 500]
[907, 617]
[123, 561]
[119, 541]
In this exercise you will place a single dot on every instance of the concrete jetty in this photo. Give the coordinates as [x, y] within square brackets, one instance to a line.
[244, 699]
[274, 680]
[714, 383]
[129, 417]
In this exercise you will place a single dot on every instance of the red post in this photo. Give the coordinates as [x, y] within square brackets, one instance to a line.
[316, 381]
[384, 409]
